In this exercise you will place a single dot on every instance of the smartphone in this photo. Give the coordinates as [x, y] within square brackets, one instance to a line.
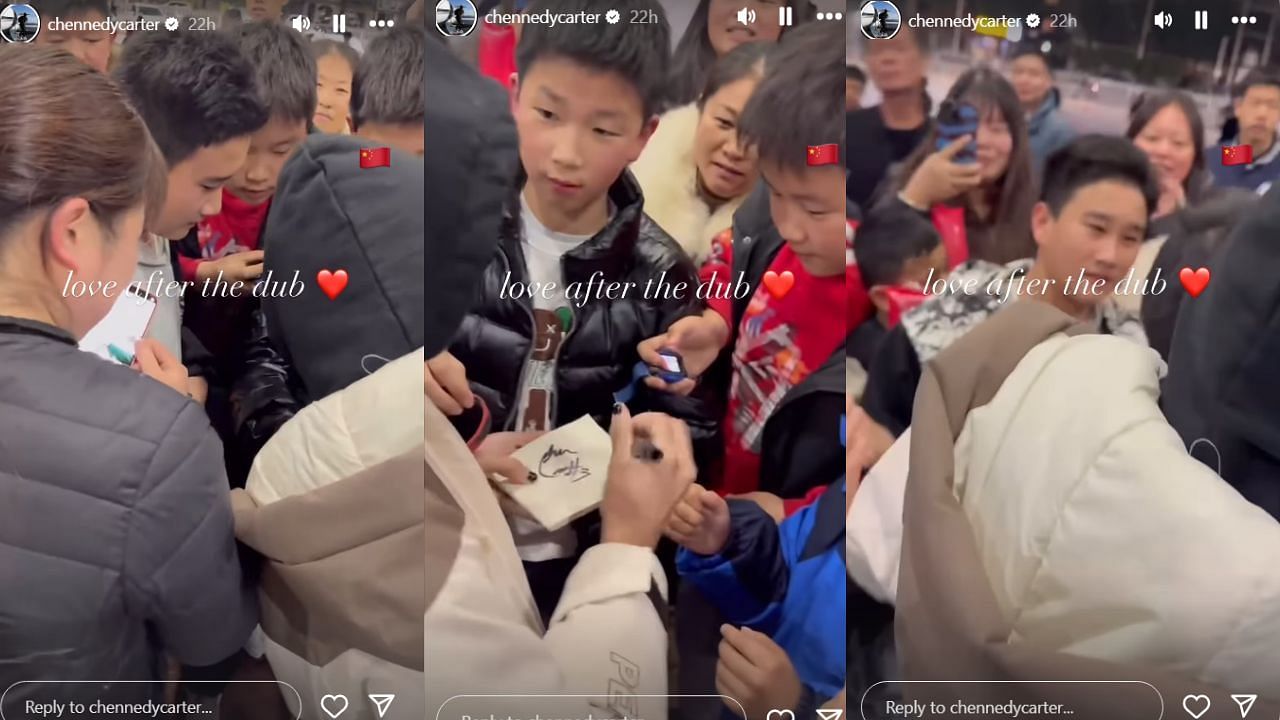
[955, 120]
[672, 369]
[115, 336]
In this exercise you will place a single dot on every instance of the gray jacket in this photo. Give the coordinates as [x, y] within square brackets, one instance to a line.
[116, 538]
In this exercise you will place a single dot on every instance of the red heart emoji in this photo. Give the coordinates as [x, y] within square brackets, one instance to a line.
[332, 283]
[779, 285]
[1195, 281]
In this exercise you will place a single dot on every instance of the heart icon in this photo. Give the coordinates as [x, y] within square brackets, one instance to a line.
[332, 283]
[1196, 705]
[1195, 281]
[781, 714]
[779, 285]
[333, 705]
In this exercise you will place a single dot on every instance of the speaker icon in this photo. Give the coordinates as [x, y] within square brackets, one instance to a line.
[300, 23]
[746, 16]
[1163, 20]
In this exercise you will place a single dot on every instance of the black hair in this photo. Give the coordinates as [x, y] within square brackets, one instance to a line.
[1093, 158]
[800, 101]
[636, 53]
[1145, 107]
[694, 55]
[193, 89]
[1032, 51]
[883, 249]
[388, 83]
[1257, 76]
[1005, 236]
[284, 70]
[855, 73]
[323, 47]
[68, 9]
[743, 61]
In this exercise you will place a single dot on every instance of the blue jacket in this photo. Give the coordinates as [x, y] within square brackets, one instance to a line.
[1047, 130]
[787, 581]
[1256, 176]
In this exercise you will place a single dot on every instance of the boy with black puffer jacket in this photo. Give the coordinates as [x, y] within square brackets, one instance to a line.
[388, 107]
[778, 295]
[585, 101]
[228, 246]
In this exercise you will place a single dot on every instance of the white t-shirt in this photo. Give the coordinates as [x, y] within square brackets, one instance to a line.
[553, 319]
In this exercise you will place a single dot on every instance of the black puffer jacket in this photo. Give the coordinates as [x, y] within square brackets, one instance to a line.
[597, 357]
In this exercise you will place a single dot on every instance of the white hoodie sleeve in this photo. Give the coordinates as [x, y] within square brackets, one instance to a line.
[873, 535]
[605, 654]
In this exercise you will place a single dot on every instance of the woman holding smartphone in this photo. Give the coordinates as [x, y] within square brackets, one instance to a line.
[116, 542]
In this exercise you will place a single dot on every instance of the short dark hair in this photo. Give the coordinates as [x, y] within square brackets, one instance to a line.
[66, 9]
[323, 47]
[883, 248]
[1093, 158]
[855, 73]
[284, 70]
[741, 62]
[388, 82]
[193, 89]
[637, 53]
[800, 101]
[1257, 76]
[1032, 51]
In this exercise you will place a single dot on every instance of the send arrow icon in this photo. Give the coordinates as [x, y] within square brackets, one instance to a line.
[830, 714]
[1245, 702]
[383, 701]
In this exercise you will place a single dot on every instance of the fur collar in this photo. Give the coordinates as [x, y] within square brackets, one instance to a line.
[667, 174]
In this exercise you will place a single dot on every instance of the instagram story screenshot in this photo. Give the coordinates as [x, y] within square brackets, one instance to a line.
[211, 324]
[641, 513]
[1065, 418]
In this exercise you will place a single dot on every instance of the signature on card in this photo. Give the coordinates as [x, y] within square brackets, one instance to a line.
[563, 463]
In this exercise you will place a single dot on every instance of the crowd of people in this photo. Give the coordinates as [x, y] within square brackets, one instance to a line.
[1018, 465]
[164, 514]
[937, 409]
[612, 151]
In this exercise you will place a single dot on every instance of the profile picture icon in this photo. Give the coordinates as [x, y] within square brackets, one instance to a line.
[880, 19]
[455, 18]
[19, 23]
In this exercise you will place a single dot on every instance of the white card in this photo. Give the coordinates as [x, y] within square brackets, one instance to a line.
[124, 325]
[571, 463]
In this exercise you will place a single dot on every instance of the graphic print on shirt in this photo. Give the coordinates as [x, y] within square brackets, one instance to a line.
[549, 330]
[766, 365]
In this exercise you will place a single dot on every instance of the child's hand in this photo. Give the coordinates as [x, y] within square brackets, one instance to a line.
[755, 671]
[446, 384]
[239, 267]
[697, 338]
[700, 521]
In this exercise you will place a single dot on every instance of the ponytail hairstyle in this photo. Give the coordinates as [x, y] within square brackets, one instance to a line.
[73, 135]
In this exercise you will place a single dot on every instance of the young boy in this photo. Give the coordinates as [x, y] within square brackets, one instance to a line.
[547, 340]
[1097, 195]
[854, 82]
[388, 104]
[783, 583]
[786, 337]
[227, 245]
[89, 44]
[894, 267]
[390, 81]
[196, 93]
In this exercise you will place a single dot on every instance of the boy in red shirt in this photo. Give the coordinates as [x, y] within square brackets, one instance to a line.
[777, 285]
